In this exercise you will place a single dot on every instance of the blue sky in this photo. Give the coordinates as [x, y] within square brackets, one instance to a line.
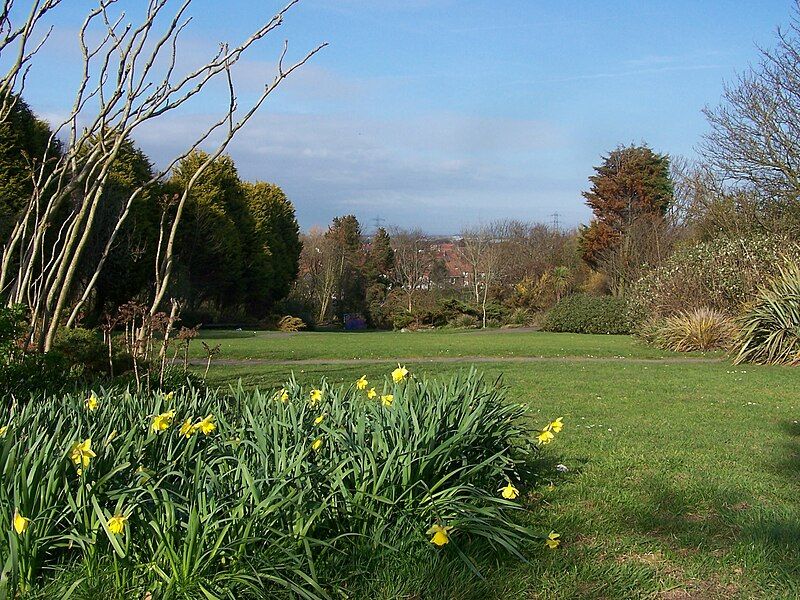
[443, 113]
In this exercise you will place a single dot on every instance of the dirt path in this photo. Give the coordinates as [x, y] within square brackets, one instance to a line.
[230, 362]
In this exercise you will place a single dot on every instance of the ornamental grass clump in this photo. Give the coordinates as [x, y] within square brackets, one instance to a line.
[696, 330]
[770, 328]
[247, 494]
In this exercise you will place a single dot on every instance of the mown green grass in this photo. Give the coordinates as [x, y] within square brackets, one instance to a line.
[273, 345]
[683, 481]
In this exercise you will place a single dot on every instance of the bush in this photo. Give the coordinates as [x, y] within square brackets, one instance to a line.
[583, 313]
[770, 329]
[83, 350]
[723, 274]
[204, 495]
[520, 317]
[291, 324]
[23, 374]
[465, 322]
[697, 330]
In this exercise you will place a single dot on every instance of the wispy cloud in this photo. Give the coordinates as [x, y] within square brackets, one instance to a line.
[437, 170]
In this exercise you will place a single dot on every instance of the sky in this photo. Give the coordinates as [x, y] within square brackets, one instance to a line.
[441, 114]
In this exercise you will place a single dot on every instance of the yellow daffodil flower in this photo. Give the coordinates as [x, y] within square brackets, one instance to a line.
[20, 523]
[316, 396]
[187, 429]
[441, 535]
[3, 430]
[372, 393]
[362, 383]
[81, 453]
[317, 444]
[116, 524]
[509, 492]
[545, 437]
[556, 425]
[387, 400]
[553, 540]
[168, 397]
[319, 419]
[207, 425]
[399, 374]
[163, 421]
[283, 395]
[92, 402]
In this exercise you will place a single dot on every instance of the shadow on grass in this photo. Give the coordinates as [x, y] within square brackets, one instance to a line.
[728, 533]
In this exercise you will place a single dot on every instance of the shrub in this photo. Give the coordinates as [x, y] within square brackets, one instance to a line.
[520, 317]
[25, 373]
[583, 313]
[770, 329]
[83, 349]
[465, 321]
[697, 330]
[722, 274]
[204, 495]
[291, 324]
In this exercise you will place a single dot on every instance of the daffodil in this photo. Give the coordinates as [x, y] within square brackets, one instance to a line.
[317, 444]
[283, 395]
[187, 429]
[116, 524]
[362, 383]
[509, 492]
[92, 402]
[81, 453]
[556, 425]
[387, 400]
[553, 540]
[20, 523]
[372, 393]
[163, 421]
[207, 425]
[319, 419]
[441, 534]
[3, 430]
[399, 374]
[545, 437]
[168, 397]
[316, 396]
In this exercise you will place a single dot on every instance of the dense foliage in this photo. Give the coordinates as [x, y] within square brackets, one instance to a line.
[210, 495]
[630, 194]
[723, 274]
[584, 313]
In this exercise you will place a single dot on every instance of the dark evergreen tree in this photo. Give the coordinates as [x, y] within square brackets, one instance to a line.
[277, 240]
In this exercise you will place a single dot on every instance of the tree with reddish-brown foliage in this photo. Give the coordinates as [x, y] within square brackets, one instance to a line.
[631, 192]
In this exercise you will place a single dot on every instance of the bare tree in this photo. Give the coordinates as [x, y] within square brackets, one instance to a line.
[482, 249]
[129, 79]
[648, 240]
[754, 143]
[319, 273]
[413, 260]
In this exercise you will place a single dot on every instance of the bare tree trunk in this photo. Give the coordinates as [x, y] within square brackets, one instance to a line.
[128, 78]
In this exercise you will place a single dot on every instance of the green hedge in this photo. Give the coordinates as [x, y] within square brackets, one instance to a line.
[584, 313]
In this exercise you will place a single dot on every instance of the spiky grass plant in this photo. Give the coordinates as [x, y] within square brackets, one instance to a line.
[242, 494]
[770, 329]
[696, 330]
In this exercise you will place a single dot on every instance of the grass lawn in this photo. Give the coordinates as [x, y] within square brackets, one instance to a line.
[683, 481]
[272, 345]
